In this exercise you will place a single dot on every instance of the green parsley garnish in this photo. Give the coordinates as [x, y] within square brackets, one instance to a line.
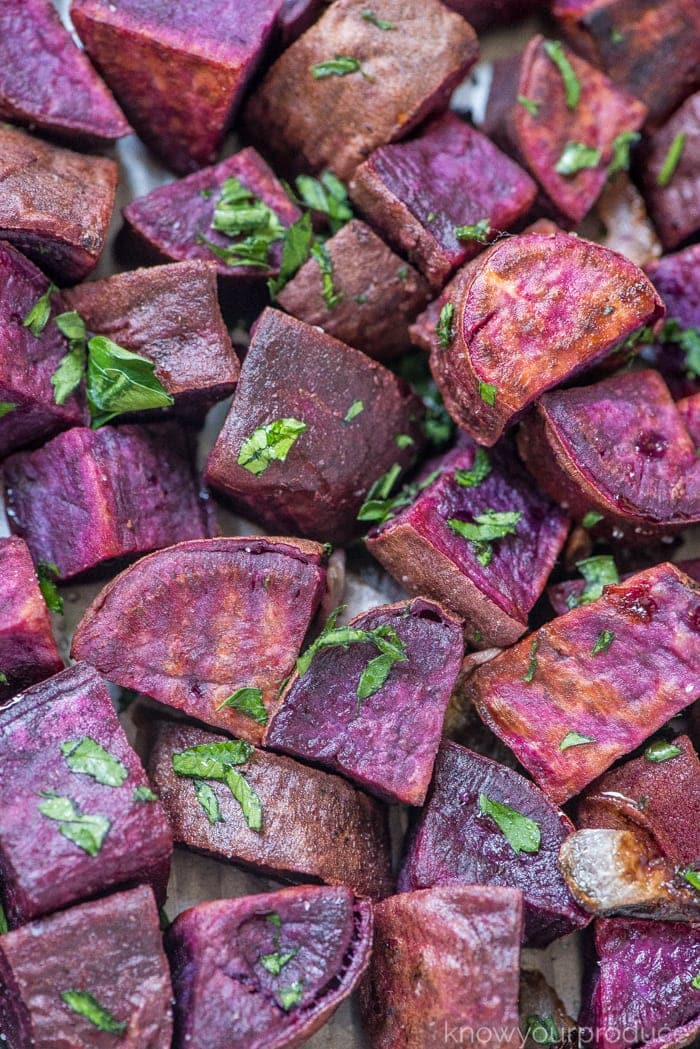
[241, 216]
[574, 739]
[248, 701]
[577, 157]
[6, 407]
[217, 761]
[532, 665]
[38, 316]
[660, 750]
[477, 231]
[695, 982]
[290, 996]
[326, 195]
[208, 801]
[4, 927]
[621, 151]
[355, 409]
[85, 1004]
[598, 572]
[331, 297]
[341, 65]
[479, 471]
[444, 328]
[572, 85]
[486, 527]
[296, 248]
[120, 381]
[85, 830]
[380, 505]
[487, 392]
[269, 443]
[380, 23]
[144, 794]
[603, 642]
[47, 573]
[691, 876]
[521, 833]
[403, 441]
[542, 1029]
[86, 756]
[671, 161]
[532, 107]
[591, 519]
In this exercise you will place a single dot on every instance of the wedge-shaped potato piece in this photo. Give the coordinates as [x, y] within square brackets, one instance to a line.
[311, 826]
[671, 184]
[206, 622]
[444, 960]
[371, 705]
[78, 816]
[565, 595]
[593, 684]
[534, 311]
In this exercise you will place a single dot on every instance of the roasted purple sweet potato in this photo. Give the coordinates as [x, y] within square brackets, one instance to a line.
[441, 196]
[305, 112]
[495, 13]
[312, 425]
[461, 838]
[170, 315]
[671, 179]
[248, 602]
[178, 70]
[311, 827]
[93, 976]
[534, 311]
[381, 731]
[689, 411]
[375, 293]
[677, 279]
[444, 960]
[593, 684]
[78, 817]
[28, 651]
[562, 130]
[619, 448]
[28, 410]
[90, 496]
[55, 205]
[493, 586]
[562, 596]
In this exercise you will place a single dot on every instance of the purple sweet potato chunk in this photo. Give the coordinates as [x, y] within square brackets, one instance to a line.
[674, 203]
[90, 496]
[223, 954]
[297, 376]
[28, 361]
[444, 959]
[495, 13]
[386, 741]
[47, 82]
[620, 448]
[380, 293]
[640, 677]
[110, 949]
[308, 122]
[43, 869]
[55, 205]
[561, 594]
[677, 279]
[171, 220]
[689, 411]
[295, 17]
[248, 602]
[643, 991]
[534, 311]
[28, 651]
[170, 315]
[455, 842]
[178, 70]
[315, 826]
[418, 192]
[420, 549]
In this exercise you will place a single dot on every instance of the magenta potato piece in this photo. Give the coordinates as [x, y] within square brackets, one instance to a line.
[41, 869]
[56, 205]
[650, 486]
[248, 602]
[494, 14]
[294, 371]
[90, 496]
[307, 122]
[689, 411]
[380, 293]
[322, 720]
[28, 361]
[171, 316]
[444, 959]
[419, 548]
[675, 206]
[179, 71]
[616, 698]
[315, 826]
[110, 949]
[418, 192]
[455, 843]
[560, 594]
[171, 219]
[28, 651]
[677, 279]
[604, 111]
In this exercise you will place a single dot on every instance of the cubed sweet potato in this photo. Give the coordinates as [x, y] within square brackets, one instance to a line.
[304, 114]
[313, 826]
[445, 961]
[671, 181]
[92, 976]
[78, 817]
[562, 596]
[593, 684]
[55, 205]
[248, 602]
[178, 70]
[439, 197]
[677, 279]
[90, 496]
[312, 425]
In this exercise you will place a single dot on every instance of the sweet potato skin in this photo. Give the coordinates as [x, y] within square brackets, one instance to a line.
[675, 207]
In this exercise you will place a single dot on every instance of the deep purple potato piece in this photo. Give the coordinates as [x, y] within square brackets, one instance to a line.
[417, 192]
[41, 869]
[455, 843]
[689, 411]
[90, 496]
[677, 279]
[315, 827]
[675, 206]
[295, 17]
[495, 13]
[444, 959]
[560, 594]
[110, 948]
[292, 370]
[419, 548]
[179, 71]
[191, 625]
